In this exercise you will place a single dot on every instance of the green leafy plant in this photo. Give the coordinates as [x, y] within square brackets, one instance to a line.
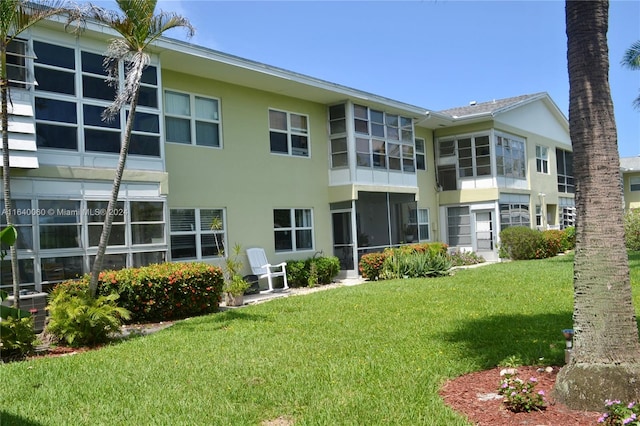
[520, 243]
[619, 413]
[78, 319]
[300, 273]
[464, 258]
[236, 285]
[520, 395]
[8, 237]
[632, 229]
[16, 330]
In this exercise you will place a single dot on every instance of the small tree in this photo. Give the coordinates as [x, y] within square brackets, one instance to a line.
[139, 27]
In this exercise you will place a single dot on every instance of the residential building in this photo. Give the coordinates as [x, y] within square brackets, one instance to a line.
[630, 171]
[279, 160]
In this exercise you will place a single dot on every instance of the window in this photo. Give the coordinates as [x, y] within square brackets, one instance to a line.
[447, 178]
[147, 222]
[59, 224]
[383, 140]
[510, 157]
[634, 183]
[421, 154]
[288, 133]
[72, 96]
[542, 159]
[16, 63]
[96, 214]
[192, 120]
[567, 212]
[514, 212]
[538, 215]
[22, 220]
[564, 163]
[474, 156]
[338, 132]
[27, 277]
[423, 225]
[192, 236]
[459, 226]
[61, 268]
[293, 229]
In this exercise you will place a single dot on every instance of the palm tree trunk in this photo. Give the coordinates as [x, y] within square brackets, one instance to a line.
[6, 174]
[108, 221]
[606, 354]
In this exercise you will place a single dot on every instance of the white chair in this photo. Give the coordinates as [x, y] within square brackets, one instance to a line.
[261, 267]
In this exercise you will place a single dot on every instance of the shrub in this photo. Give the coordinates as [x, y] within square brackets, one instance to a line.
[17, 337]
[463, 258]
[370, 265]
[553, 241]
[520, 243]
[520, 395]
[16, 330]
[312, 271]
[619, 413]
[632, 229]
[162, 292]
[78, 319]
[403, 263]
[569, 240]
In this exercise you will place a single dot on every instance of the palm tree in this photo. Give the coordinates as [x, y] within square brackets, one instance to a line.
[16, 16]
[139, 27]
[631, 59]
[605, 362]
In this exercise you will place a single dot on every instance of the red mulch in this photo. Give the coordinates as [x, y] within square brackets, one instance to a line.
[462, 394]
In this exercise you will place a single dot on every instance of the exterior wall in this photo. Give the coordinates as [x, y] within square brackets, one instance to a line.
[631, 198]
[427, 192]
[243, 176]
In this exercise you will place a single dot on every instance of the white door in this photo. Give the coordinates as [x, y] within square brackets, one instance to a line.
[484, 233]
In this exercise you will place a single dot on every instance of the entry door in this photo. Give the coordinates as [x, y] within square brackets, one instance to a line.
[484, 231]
[343, 239]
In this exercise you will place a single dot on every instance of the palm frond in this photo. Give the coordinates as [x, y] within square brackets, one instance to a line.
[16, 16]
[631, 58]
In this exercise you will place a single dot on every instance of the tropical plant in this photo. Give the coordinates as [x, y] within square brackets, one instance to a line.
[606, 351]
[139, 26]
[16, 330]
[631, 59]
[16, 16]
[520, 395]
[78, 319]
[632, 229]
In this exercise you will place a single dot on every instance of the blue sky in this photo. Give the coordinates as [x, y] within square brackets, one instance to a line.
[434, 54]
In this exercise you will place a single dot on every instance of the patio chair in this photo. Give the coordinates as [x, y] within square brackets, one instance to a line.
[261, 267]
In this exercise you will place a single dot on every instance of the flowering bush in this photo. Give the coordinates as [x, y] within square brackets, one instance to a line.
[619, 413]
[371, 265]
[521, 396]
[163, 291]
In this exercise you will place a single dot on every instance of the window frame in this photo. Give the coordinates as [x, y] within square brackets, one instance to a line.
[564, 165]
[634, 186]
[508, 166]
[290, 132]
[424, 224]
[293, 229]
[421, 154]
[542, 159]
[197, 232]
[193, 119]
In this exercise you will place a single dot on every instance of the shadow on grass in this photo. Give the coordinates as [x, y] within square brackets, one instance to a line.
[494, 340]
[8, 419]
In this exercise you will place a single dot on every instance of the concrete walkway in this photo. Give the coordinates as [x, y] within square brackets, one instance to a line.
[251, 299]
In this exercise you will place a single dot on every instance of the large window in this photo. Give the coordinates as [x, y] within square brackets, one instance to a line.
[147, 222]
[72, 90]
[59, 224]
[289, 133]
[514, 210]
[567, 212]
[191, 119]
[193, 235]
[293, 229]
[542, 159]
[510, 157]
[383, 140]
[634, 183]
[338, 132]
[564, 162]
[22, 221]
[474, 156]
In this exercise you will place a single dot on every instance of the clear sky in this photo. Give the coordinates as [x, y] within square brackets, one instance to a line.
[435, 54]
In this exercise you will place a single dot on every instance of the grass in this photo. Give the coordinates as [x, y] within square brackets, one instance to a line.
[371, 354]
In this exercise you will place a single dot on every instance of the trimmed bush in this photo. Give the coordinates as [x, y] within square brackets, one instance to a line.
[553, 243]
[311, 272]
[520, 243]
[163, 291]
[569, 240]
[17, 337]
[370, 265]
[632, 229]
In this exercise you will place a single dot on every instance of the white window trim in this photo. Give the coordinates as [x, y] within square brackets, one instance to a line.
[427, 223]
[293, 228]
[197, 232]
[634, 183]
[544, 161]
[193, 119]
[421, 153]
[290, 132]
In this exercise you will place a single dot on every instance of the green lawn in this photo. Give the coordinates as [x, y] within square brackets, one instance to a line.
[371, 354]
